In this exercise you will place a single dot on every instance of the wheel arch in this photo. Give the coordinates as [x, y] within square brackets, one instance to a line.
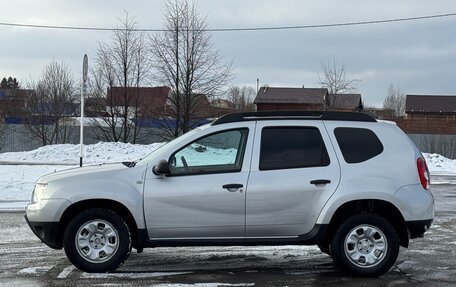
[109, 204]
[382, 208]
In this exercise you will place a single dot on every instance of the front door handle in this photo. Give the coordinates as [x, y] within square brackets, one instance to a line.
[233, 187]
[320, 181]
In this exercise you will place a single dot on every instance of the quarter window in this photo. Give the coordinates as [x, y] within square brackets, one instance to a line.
[219, 152]
[358, 144]
[292, 147]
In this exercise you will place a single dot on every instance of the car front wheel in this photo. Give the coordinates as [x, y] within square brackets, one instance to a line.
[365, 245]
[97, 240]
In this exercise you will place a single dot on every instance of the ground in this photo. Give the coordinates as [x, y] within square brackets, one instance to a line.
[430, 261]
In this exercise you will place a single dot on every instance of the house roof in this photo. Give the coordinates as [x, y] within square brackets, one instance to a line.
[152, 97]
[346, 100]
[291, 95]
[430, 103]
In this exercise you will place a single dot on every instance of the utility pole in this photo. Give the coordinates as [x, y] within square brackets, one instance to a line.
[85, 65]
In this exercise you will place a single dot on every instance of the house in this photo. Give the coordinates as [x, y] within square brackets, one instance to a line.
[345, 102]
[13, 104]
[305, 99]
[428, 106]
[380, 113]
[222, 107]
[147, 101]
[281, 99]
[428, 114]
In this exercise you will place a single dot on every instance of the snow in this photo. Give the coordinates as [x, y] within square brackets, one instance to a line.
[440, 165]
[20, 170]
[102, 152]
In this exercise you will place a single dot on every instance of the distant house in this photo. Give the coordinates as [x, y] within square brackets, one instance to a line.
[427, 114]
[222, 107]
[305, 99]
[345, 102]
[150, 101]
[13, 104]
[280, 99]
[428, 106]
[380, 113]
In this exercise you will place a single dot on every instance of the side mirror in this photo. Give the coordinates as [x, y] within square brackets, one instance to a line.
[162, 167]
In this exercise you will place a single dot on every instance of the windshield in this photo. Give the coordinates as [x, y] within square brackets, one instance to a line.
[175, 141]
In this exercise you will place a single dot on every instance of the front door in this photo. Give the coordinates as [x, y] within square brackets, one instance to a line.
[204, 196]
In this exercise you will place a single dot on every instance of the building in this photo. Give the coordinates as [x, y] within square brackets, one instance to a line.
[280, 99]
[13, 104]
[427, 114]
[428, 106]
[345, 102]
[222, 107]
[147, 101]
[305, 99]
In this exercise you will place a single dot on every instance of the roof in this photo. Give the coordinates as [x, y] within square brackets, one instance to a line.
[430, 103]
[142, 96]
[291, 95]
[346, 100]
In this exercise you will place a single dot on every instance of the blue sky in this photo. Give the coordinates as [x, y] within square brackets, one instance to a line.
[418, 56]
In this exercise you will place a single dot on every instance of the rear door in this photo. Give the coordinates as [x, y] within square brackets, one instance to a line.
[294, 172]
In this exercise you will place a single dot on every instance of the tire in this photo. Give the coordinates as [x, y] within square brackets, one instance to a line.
[365, 245]
[97, 240]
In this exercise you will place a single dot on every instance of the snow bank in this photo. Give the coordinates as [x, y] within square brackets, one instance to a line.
[102, 152]
[440, 165]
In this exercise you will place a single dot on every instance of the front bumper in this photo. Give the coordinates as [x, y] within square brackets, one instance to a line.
[48, 232]
[418, 228]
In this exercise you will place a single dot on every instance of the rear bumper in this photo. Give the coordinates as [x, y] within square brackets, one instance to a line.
[418, 228]
[48, 232]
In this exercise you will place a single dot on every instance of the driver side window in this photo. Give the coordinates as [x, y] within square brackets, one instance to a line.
[219, 152]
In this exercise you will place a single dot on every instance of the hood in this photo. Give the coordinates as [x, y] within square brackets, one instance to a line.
[79, 171]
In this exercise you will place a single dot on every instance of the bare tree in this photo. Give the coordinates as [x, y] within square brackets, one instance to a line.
[335, 80]
[395, 100]
[121, 67]
[242, 98]
[188, 63]
[51, 104]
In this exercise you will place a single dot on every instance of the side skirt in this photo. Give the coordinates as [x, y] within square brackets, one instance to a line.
[316, 235]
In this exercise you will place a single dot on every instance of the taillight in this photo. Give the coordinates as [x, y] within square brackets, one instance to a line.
[423, 172]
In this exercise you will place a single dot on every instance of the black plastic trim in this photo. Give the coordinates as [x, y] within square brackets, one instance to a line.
[317, 234]
[418, 228]
[301, 115]
[47, 232]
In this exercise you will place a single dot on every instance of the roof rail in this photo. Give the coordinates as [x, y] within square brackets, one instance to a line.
[287, 115]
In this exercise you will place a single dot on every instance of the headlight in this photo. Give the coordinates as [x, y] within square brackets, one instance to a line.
[38, 192]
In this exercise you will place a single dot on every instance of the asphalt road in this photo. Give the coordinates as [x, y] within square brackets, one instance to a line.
[430, 261]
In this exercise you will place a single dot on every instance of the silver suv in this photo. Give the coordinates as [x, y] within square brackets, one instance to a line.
[356, 187]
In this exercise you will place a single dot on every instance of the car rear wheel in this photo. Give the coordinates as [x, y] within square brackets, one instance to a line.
[365, 245]
[97, 240]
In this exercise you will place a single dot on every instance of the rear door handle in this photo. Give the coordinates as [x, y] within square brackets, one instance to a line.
[233, 187]
[320, 181]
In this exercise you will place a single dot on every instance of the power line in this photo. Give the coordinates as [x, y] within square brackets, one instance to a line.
[236, 29]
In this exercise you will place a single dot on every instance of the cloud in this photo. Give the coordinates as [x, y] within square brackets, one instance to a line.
[418, 56]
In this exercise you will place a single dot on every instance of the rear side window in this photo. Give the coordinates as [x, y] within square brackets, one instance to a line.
[292, 147]
[357, 144]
